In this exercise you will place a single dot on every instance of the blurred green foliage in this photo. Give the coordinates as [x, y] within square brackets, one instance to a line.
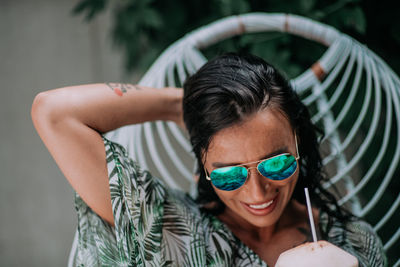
[142, 29]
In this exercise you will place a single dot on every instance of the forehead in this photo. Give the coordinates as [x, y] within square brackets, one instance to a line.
[261, 134]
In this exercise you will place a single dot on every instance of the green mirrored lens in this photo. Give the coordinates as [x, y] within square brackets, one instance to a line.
[228, 178]
[278, 168]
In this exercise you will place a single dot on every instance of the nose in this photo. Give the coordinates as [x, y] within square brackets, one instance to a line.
[256, 185]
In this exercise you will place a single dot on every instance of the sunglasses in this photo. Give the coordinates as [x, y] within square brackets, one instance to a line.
[276, 168]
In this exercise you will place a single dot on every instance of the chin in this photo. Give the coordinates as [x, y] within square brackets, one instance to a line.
[263, 223]
[262, 217]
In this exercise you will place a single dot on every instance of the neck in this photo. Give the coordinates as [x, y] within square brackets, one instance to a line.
[244, 229]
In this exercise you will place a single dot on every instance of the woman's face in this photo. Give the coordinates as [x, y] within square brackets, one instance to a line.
[259, 201]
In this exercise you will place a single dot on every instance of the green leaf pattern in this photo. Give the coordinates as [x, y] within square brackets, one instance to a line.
[158, 226]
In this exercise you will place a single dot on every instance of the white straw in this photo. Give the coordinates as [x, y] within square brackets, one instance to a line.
[314, 235]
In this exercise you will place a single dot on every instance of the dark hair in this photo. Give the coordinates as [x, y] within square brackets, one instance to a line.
[228, 89]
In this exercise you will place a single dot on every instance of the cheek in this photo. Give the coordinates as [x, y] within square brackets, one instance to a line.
[289, 187]
[294, 181]
[284, 187]
[225, 196]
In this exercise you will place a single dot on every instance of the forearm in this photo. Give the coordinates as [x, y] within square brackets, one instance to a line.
[105, 107]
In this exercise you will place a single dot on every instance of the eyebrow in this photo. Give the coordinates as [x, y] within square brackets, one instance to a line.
[275, 153]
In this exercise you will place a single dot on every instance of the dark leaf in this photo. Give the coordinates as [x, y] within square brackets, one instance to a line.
[91, 7]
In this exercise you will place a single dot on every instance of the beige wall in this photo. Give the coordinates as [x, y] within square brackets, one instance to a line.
[41, 47]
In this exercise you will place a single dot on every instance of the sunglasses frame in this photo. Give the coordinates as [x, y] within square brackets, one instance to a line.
[256, 167]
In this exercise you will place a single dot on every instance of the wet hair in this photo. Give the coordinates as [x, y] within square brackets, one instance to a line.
[225, 92]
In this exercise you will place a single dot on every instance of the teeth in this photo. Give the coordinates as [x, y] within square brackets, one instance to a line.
[262, 206]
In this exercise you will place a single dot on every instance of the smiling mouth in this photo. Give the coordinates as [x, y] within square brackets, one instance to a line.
[262, 206]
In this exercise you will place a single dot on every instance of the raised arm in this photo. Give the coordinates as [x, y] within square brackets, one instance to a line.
[70, 120]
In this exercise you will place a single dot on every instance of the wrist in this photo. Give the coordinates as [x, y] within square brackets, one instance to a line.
[174, 105]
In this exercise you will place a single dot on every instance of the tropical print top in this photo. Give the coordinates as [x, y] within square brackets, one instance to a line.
[157, 226]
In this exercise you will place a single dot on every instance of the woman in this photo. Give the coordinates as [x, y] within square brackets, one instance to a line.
[256, 150]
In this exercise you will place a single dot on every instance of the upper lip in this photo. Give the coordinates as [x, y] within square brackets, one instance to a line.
[263, 202]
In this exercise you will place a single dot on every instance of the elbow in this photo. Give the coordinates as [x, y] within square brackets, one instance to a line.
[47, 108]
[39, 106]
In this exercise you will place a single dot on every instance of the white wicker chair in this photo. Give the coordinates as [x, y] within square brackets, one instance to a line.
[347, 70]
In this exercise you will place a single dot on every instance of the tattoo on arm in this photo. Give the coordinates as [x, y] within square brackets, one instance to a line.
[121, 88]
